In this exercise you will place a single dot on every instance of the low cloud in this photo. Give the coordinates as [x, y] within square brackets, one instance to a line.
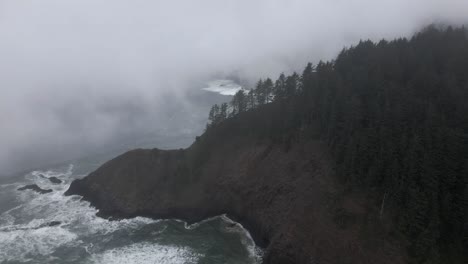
[80, 75]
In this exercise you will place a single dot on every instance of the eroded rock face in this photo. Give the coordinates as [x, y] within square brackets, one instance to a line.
[35, 188]
[145, 182]
[286, 197]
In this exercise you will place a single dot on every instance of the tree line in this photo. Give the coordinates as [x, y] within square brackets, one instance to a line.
[395, 115]
[266, 91]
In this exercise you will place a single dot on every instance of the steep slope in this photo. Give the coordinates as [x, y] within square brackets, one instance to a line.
[363, 159]
[285, 194]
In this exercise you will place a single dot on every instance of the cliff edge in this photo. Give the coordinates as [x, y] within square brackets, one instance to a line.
[362, 159]
[284, 192]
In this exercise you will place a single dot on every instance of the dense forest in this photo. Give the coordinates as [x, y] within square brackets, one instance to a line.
[395, 117]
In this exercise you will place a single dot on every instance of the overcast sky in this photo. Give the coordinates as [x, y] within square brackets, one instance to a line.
[78, 74]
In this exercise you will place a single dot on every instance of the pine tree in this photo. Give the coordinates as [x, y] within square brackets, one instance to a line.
[292, 84]
[260, 93]
[239, 102]
[213, 116]
[395, 118]
[280, 88]
[251, 100]
[267, 88]
[223, 111]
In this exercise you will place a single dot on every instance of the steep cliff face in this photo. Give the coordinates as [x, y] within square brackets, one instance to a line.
[285, 194]
[394, 119]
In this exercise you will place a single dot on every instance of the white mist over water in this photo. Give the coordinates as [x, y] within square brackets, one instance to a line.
[77, 76]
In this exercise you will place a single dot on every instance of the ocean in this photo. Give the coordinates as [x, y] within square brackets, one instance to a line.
[53, 228]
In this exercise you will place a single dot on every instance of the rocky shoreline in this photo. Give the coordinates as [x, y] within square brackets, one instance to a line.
[287, 198]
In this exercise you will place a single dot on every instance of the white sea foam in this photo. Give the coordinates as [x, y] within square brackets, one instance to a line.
[70, 210]
[78, 214]
[146, 253]
[25, 234]
[19, 245]
[24, 231]
[6, 219]
[255, 252]
[30, 235]
[197, 224]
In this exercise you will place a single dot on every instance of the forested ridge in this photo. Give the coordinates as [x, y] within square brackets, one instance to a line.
[395, 117]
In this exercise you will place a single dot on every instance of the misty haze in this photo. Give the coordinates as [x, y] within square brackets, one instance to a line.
[261, 131]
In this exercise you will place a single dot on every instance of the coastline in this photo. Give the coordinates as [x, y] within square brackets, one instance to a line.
[287, 199]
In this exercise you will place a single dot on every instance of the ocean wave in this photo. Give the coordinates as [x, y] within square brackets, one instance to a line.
[22, 245]
[45, 227]
[23, 229]
[146, 253]
[255, 252]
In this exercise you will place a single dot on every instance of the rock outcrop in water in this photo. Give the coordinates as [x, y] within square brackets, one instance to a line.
[55, 180]
[52, 179]
[35, 188]
[286, 195]
[362, 159]
[51, 224]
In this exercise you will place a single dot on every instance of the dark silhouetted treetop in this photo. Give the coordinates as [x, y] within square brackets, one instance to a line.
[395, 116]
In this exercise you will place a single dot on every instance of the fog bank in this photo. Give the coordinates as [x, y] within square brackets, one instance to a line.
[79, 76]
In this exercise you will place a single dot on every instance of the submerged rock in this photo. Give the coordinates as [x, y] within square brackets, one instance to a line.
[35, 188]
[52, 179]
[50, 224]
[55, 180]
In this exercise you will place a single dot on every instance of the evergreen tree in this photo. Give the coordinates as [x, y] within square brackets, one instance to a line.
[251, 101]
[292, 85]
[213, 116]
[267, 88]
[395, 118]
[223, 111]
[280, 87]
[239, 102]
[260, 93]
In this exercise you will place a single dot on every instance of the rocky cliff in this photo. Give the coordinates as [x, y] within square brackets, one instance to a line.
[362, 159]
[285, 194]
